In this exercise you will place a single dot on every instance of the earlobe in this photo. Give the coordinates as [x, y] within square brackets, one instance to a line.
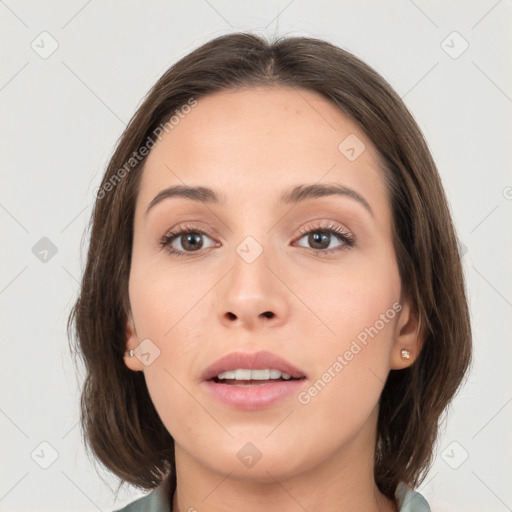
[403, 359]
[132, 341]
[408, 339]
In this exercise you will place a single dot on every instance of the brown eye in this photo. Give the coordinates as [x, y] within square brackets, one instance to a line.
[191, 241]
[324, 238]
[185, 241]
[319, 240]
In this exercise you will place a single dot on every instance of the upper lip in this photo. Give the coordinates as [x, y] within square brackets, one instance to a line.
[255, 361]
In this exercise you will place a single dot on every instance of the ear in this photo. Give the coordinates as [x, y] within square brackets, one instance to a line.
[132, 342]
[407, 338]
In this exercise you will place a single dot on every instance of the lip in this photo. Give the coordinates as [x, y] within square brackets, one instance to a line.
[256, 396]
[256, 361]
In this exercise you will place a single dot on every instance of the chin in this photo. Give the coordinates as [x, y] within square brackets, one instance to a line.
[257, 462]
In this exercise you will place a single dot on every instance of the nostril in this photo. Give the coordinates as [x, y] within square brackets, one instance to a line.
[231, 316]
[268, 314]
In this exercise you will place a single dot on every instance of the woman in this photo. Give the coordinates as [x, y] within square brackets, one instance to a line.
[273, 313]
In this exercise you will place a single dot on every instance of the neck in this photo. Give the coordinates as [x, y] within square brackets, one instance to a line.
[342, 483]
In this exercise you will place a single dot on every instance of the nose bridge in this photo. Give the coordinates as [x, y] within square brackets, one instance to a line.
[252, 294]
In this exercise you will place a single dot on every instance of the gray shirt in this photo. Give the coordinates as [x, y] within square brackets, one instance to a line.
[157, 501]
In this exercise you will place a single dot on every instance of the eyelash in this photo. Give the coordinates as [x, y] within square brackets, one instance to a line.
[342, 234]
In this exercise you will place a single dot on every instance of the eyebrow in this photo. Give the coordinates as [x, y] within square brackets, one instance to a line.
[296, 195]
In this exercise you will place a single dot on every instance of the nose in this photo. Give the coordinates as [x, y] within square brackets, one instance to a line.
[252, 296]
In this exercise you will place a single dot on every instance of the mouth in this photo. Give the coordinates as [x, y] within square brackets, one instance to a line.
[252, 381]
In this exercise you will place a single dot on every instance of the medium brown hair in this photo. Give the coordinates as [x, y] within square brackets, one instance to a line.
[119, 421]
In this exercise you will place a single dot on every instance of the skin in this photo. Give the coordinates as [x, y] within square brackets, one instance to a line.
[251, 145]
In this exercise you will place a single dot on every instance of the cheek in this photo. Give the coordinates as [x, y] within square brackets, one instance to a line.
[356, 312]
[168, 311]
[163, 301]
[345, 302]
[351, 368]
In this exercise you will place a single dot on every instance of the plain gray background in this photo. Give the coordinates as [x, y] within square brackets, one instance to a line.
[62, 113]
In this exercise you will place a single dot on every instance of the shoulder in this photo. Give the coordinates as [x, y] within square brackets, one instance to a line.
[156, 501]
[410, 500]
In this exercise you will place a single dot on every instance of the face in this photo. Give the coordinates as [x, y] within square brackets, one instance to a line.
[311, 279]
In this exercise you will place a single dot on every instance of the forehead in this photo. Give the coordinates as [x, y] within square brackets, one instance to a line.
[251, 144]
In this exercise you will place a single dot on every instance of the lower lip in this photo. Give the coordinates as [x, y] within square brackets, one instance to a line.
[253, 397]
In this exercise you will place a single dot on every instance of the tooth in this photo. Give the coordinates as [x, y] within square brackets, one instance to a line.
[226, 375]
[243, 374]
[260, 374]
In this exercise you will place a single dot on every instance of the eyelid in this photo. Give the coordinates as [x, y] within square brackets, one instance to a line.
[187, 227]
[326, 225]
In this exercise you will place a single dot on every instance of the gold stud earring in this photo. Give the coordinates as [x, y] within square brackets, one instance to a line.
[405, 354]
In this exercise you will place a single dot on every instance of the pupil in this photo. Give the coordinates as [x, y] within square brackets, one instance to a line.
[193, 241]
[321, 238]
